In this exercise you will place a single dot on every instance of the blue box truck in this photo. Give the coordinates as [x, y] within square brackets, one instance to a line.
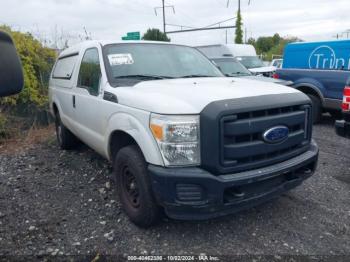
[330, 55]
[320, 70]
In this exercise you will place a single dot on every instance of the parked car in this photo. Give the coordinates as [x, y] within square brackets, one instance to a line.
[232, 68]
[320, 70]
[277, 63]
[342, 127]
[245, 54]
[181, 136]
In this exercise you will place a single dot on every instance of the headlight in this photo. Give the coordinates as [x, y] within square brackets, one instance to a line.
[177, 138]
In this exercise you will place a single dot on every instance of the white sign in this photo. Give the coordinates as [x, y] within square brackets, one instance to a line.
[120, 59]
[325, 57]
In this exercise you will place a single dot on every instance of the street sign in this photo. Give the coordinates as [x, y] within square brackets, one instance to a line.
[135, 34]
[132, 36]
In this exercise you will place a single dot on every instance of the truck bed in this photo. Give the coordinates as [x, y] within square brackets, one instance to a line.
[327, 84]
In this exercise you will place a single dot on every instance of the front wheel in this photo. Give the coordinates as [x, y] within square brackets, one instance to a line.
[134, 187]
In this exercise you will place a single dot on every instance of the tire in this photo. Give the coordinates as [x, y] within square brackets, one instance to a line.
[316, 108]
[134, 187]
[66, 140]
[336, 114]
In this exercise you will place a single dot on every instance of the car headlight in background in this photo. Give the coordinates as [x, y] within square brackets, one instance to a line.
[177, 138]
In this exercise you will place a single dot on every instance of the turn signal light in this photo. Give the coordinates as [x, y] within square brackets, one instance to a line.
[345, 106]
[275, 76]
[346, 99]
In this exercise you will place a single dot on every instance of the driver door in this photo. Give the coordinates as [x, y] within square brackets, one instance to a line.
[88, 99]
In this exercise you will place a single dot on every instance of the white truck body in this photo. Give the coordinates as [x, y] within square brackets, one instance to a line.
[149, 123]
[137, 102]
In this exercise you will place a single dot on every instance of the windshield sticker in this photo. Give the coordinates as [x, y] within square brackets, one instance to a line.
[120, 59]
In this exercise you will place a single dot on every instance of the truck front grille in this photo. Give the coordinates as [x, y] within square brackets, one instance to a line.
[232, 131]
[242, 144]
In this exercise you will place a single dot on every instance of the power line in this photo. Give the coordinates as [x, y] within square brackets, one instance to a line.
[181, 26]
[220, 22]
[200, 29]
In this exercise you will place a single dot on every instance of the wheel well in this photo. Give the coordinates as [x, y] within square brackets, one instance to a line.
[55, 109]
[309, 91]
[118, 140]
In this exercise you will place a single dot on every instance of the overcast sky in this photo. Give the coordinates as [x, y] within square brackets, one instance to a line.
[110, 19]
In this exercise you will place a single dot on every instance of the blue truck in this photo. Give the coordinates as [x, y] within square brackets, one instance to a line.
[320, 70]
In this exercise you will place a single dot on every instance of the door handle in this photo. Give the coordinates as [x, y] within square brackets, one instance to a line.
[73, 101]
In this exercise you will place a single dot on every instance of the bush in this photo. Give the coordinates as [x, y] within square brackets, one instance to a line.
[37, 61]
[3, 123]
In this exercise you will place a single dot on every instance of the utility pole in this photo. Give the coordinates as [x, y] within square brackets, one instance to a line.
[163, 10]
[163, 17]
[239, 4]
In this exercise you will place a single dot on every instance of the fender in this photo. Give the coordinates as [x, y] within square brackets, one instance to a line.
[312, 84]
[135, 127]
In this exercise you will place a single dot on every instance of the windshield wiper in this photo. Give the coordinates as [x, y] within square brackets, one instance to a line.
[238, 74]
[143, 77]
[193, 76]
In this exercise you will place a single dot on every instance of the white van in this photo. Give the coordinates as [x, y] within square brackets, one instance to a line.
[181, 136]
[245, 54]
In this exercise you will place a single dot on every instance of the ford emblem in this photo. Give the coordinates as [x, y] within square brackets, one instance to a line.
[276, 134]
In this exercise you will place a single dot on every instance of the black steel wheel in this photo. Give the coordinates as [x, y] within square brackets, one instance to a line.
[130, 187]
[134, 187]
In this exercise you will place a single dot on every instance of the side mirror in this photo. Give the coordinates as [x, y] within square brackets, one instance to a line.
[11, 74]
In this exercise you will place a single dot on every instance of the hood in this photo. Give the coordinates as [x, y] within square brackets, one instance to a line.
[269, 80]
[264, 69]
[190, 96]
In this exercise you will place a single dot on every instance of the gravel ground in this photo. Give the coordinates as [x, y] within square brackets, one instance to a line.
[54, 202]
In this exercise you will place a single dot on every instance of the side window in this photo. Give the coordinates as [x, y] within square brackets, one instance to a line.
[90, 72]
[64, 67]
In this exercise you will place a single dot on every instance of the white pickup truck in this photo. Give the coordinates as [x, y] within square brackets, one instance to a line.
[181, 137]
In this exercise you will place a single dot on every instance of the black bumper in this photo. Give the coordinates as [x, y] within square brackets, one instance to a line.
[194, 193]
[342, 128]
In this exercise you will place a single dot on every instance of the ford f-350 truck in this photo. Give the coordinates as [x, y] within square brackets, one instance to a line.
[181, 137]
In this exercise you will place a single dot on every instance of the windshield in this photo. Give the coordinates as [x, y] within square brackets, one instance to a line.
[231, 67]
[133, 62]
[277, 63]
[250, 61]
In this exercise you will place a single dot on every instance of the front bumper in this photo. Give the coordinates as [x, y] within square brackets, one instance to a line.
[193, 193]
[342, 128]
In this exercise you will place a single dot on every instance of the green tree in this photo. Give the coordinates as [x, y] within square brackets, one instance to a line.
[264, 44]
[268, 46]
[239, 31]
[37, 61]
[154, 34]
[276, 39]
[251, 41]
[279, 48]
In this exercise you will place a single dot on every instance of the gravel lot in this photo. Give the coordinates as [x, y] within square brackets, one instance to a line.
[54, 202]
